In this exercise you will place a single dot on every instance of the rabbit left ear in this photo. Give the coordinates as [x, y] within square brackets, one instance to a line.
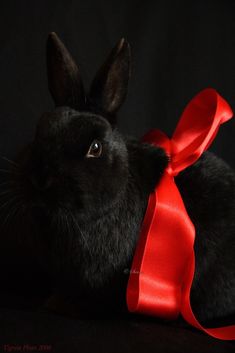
[109, 87]
[64, 80]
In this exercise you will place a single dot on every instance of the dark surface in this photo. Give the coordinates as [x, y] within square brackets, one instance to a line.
[107, 335]
[178, 49]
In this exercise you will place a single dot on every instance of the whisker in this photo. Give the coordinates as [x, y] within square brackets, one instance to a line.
[64, 222]
[10, 161]
[6, 191]
[65, 226]
[83, 236]
[6, 171]
[11, 213]
[8, 182]
[59, 240]
[69, 229]
[8, 202]
[9, 191]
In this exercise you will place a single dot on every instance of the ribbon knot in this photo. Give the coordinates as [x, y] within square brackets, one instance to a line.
[164, 263]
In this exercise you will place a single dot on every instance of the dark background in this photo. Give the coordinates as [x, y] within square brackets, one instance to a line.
[178, 49]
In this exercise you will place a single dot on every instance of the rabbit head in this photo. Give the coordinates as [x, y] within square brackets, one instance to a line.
[77, 158]
[85, 186]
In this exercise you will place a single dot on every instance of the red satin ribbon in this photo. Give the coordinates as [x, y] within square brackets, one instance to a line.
[164, 263]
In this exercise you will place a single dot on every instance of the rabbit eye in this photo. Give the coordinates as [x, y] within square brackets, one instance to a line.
[95, 149]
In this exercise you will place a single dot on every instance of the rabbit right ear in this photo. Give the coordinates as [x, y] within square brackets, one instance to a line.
[109, 87]
[64, 80]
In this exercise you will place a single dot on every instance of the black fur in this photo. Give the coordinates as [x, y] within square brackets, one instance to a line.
[208, 191]
[85, 214]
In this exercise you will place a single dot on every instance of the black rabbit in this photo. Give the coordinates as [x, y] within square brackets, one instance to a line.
[84, 189]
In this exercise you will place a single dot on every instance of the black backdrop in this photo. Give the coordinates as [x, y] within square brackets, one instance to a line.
[178, 49]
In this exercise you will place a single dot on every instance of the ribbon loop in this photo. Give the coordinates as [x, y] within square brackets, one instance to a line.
[195, 131]
[163, 265]
[198, 127]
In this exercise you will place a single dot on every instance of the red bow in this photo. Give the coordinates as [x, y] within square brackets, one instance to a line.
[164, 263]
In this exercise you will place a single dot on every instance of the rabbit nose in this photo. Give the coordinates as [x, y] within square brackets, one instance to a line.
[41, 182]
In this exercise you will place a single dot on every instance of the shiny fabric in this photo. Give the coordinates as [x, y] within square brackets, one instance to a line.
[164, 263]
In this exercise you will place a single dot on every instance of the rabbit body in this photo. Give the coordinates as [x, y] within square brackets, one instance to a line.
[86, 188]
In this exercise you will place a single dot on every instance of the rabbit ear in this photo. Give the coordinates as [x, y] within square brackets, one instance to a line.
[109, 87]
[64, 80]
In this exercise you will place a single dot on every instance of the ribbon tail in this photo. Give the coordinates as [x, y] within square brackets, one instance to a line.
[162, 254]
[222, 333]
